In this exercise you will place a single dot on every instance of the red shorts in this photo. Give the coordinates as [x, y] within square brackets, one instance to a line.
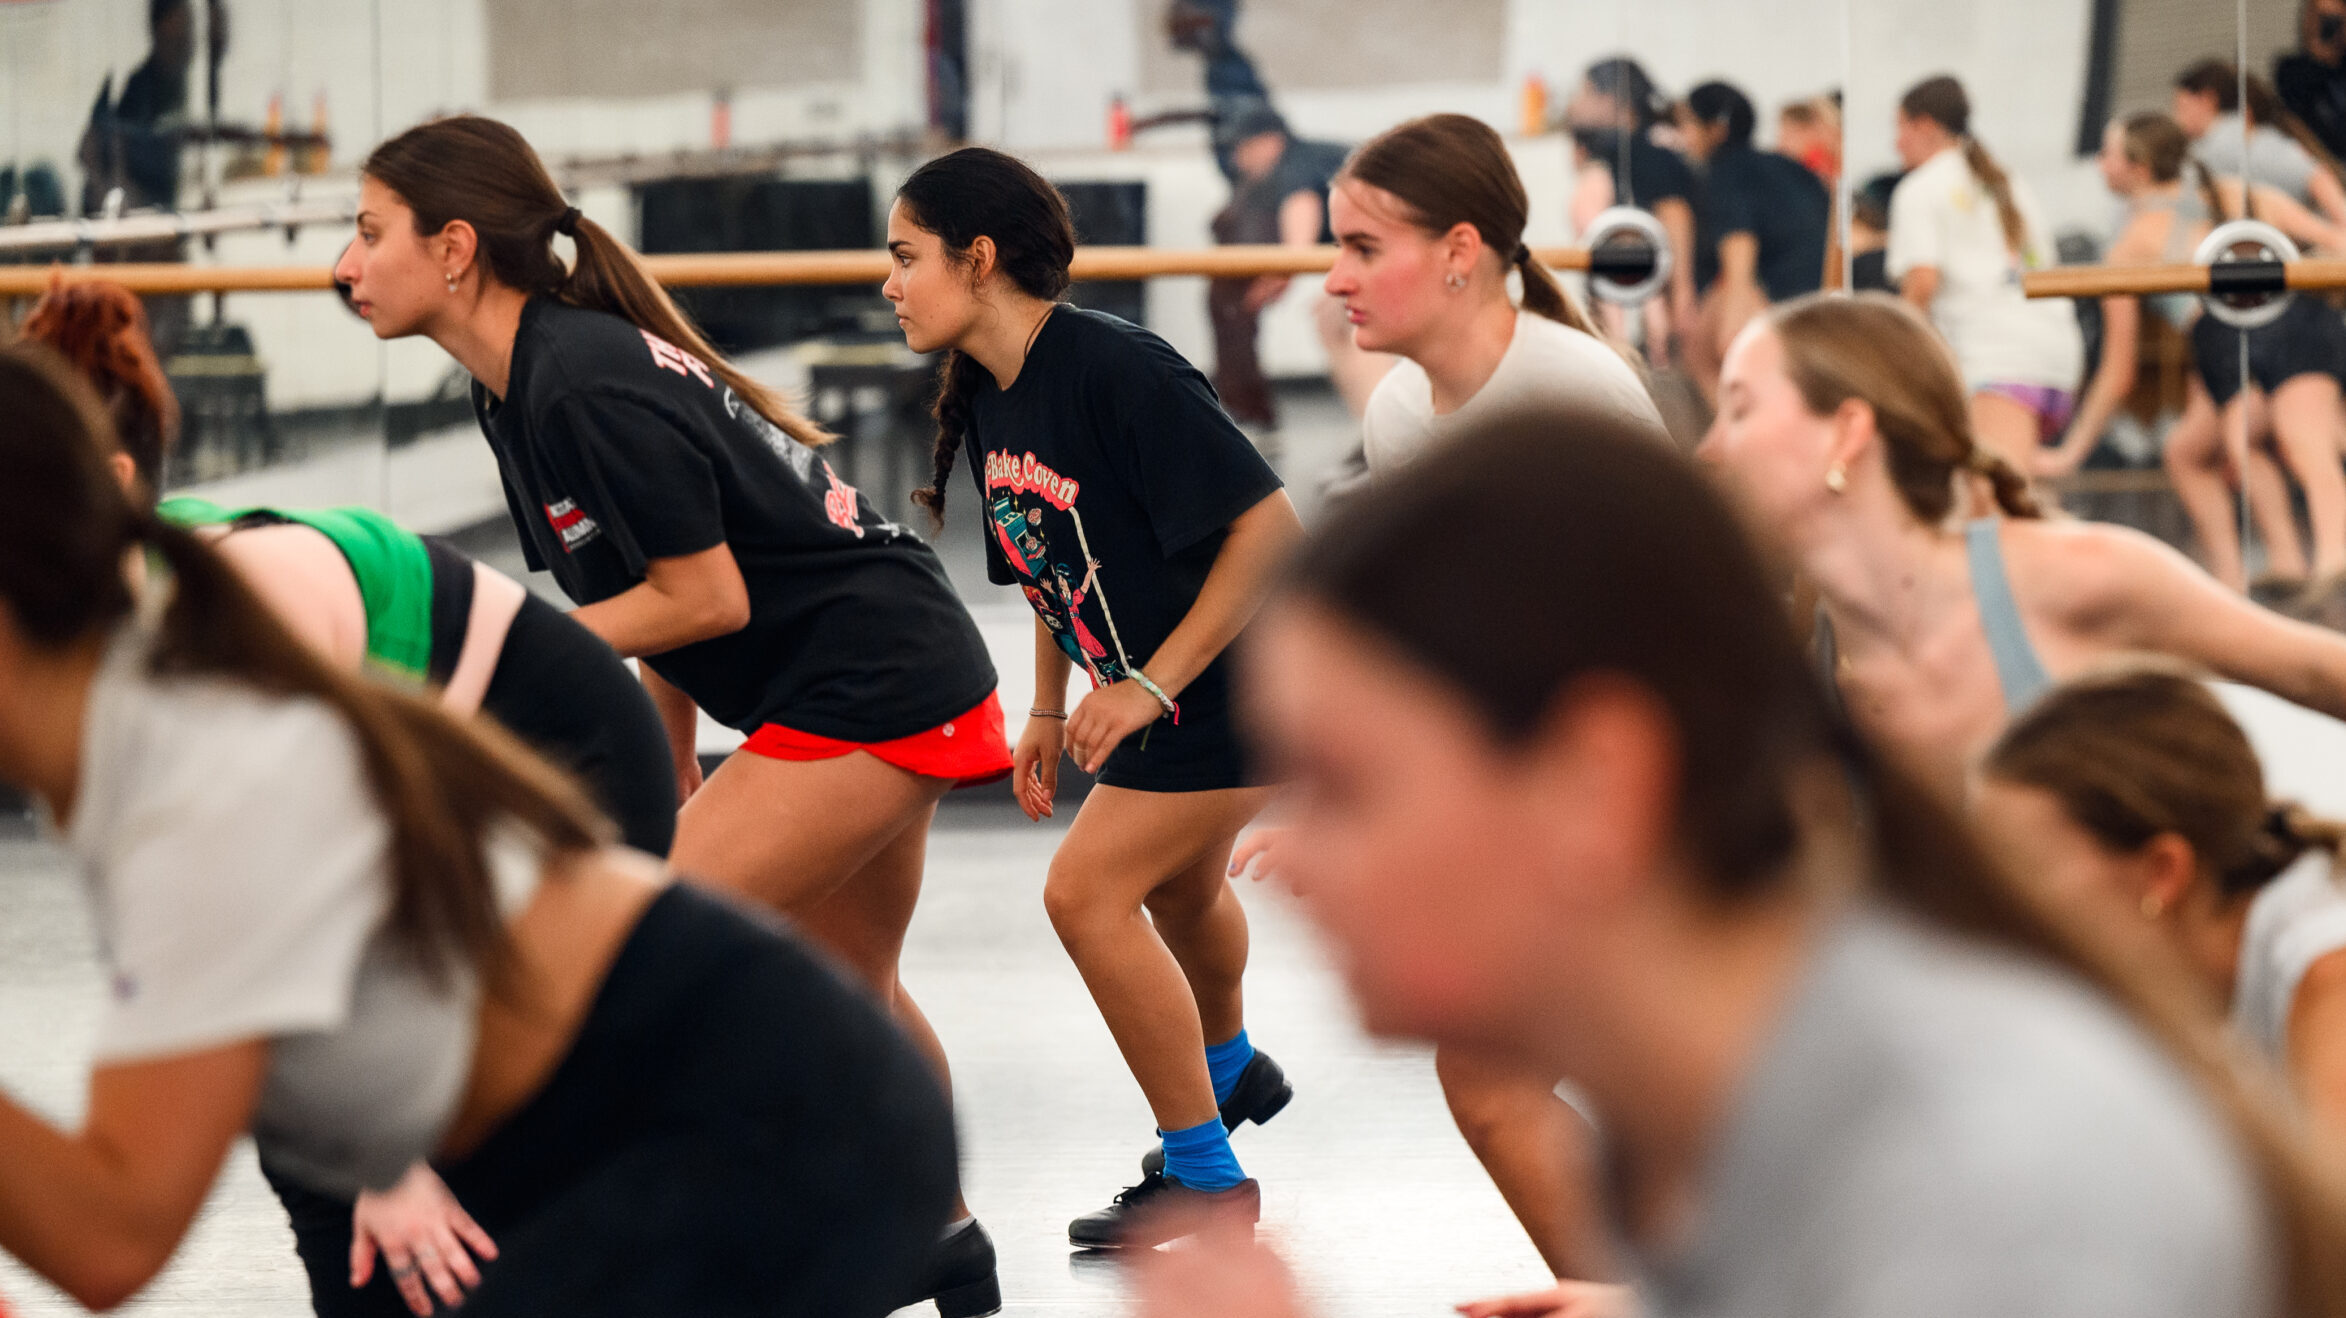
[969, 750]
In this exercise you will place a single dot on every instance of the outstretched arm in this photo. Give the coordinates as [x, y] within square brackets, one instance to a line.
[99, 1212]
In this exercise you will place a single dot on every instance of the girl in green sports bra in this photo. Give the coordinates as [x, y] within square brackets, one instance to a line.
[1851, 451]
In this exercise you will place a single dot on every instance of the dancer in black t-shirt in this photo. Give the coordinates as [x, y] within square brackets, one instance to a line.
[693, 518]
[1144, 529]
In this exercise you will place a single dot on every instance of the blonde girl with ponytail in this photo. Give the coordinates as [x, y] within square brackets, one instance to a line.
[1844, 427]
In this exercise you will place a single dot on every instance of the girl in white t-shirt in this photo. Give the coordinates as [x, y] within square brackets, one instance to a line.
[1962, 232]
[1429, 224]
[366, 933]
[2139, 805]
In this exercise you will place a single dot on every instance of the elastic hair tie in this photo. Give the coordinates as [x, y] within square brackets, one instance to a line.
[567, 226]
[1522, 254]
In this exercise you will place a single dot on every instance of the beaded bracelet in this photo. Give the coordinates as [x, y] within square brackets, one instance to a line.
[1059, 714]
[1171, 709]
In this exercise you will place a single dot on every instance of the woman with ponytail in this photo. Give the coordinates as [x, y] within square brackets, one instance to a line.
[1962, 232]
[1144, 529]
[367, 934]
[1843, 424]
[2133, 799]
[1429, 221]
[691, 515]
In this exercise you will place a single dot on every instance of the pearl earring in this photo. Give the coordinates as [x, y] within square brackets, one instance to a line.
[452, 283]
[1836, 478]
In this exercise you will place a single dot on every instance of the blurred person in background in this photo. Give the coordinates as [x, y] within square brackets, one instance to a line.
[2281, 150]
[2132, 799]
[1869, 235]
[2312, 79]
[1761, 232]
[1844, 430]
[1809, 131]
[1610, 827]
[2295, 408]
[1962, 232]
[1614, 117]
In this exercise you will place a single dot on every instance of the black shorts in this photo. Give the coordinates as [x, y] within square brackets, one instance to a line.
[2308, 339]
[735, 1131]
[1201, 753]
[560, 689]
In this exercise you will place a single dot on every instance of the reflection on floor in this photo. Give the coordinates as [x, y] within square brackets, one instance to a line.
[1366, 1183]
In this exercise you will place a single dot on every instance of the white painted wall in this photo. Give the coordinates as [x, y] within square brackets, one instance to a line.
[1043, 73]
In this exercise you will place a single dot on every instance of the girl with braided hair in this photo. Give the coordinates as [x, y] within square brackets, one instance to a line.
[1844, 425]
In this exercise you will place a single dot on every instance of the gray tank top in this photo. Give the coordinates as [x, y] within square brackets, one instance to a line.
[2018, 669]
[2190, 211]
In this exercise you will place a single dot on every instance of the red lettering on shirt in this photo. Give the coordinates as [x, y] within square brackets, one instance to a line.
[676, 359]
[571, 523]
[839, 503]
[1023, 473]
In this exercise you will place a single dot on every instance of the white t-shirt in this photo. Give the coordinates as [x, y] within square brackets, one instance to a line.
[2297, 920]
[1548, 366]
[1941, 216]
[239, 866]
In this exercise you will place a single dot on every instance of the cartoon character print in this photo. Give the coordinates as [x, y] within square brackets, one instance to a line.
[1056, 592]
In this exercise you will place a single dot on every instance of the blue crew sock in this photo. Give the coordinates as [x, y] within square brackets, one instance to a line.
[1225, 1061]
[1200, 1157]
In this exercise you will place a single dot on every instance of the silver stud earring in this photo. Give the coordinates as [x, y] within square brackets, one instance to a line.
[1456, 282]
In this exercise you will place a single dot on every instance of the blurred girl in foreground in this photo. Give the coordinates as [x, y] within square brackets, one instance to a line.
[1606, 827]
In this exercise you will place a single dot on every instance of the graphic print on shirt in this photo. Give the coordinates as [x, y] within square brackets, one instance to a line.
[571, 523]
[1062, 581]
[839, 497]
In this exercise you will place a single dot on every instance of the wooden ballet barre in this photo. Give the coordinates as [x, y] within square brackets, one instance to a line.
[768, 269]
[2307, 274]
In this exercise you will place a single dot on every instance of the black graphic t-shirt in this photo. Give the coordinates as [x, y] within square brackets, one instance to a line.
[1109, 477]
[618, 448]
[1778, 201]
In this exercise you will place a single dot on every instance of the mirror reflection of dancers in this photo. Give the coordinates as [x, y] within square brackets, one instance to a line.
[690, 513]
[1144, 528]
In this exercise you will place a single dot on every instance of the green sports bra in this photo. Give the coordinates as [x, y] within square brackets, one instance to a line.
[394, 568]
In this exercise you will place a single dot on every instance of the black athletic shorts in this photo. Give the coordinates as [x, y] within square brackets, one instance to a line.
[1201, 753]
[560, 689]
[736, 1131]
[2308, 339]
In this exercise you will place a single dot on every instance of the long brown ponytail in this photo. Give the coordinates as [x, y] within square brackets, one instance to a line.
[470, 168]
[443, 785]
[962, 196]
[1942, 101]
[1452, 169]
[1879, 350]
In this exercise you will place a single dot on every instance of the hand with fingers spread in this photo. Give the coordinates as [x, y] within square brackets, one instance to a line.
[1105, 718]
[427, 1240]
[1566, 1299]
